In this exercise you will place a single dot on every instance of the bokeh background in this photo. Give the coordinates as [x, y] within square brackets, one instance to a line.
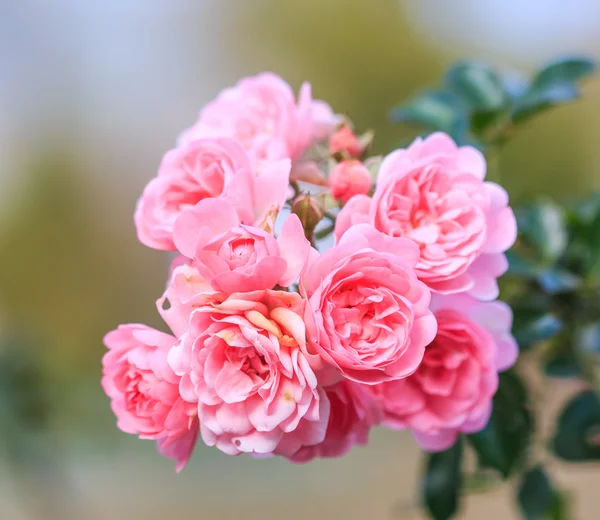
[92, 93]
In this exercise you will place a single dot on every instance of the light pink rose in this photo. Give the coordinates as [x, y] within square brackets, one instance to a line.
[354, 410]
[452, 390]
[242, 361]
[144, 391]
[349, 178]
[202, 169]
[367, 313]
[262, 114]
[234, 257]
[434, 193]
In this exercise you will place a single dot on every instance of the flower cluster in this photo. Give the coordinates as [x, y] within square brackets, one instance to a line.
[278, 349]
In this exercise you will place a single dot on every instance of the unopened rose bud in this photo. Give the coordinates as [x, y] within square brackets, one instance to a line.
[345, 142]
[310, 211]
[349, 178]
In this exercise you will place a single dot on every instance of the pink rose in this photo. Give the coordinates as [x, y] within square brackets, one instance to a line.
[144, 391]
[262, 114]
[344, 141]
[242, 362]
[349, 178]
[234, 257]
[434, 193]
[452, 389]
[354, 411]
[367, 313]
[203, 169]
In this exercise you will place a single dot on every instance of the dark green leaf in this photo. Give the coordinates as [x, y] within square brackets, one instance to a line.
[490, 125]
[502, 444]
[442, 482]
[536, 494]
[536, 101]
[556, 281]
[560, 507]
[520, 265]
[532, 327]
[437, 110]
[569, 70]
[594, 244]
[479, 86]
[583, 212]
[553, 85]
[544, 226]
[563, 364]
[576, 436]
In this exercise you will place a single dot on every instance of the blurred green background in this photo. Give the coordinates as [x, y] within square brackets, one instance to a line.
[92, 93]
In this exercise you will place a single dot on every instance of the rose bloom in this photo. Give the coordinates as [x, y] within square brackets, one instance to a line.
[242, 362]
[367, 313]
[261, 113]
[452, 389]
[354, 410]
[434, 193]
[234, 257]
[344, 141]
[349, 178]
[144, 391]
[202, 169]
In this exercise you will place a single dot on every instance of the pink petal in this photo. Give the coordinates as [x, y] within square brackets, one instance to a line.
[470, 160]
[484, 272]
[195, 227]
[474, 425]
[270, 187]
[294, 249]
[355, 211]
[433, 442]
[502, 231]
[182, 449]
[507, 353]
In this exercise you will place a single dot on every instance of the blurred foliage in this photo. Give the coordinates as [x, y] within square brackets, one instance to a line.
[477, 106]
[553, 286]
[24, 400]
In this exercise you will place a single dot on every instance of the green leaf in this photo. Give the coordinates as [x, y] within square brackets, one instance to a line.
[536, 495]
[536, 101]
[492, 126]
[531, 327]
[478, 85]
[556, 281]
[588, 339]
[567, 70]
[437, 110]
[553, 85]
[442, 482]
[502, 444]
[562, 364]
[520, 265]
[544, 226]
[594, 244]
[576, 436]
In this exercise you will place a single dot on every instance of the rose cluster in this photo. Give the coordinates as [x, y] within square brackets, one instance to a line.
[279, 349]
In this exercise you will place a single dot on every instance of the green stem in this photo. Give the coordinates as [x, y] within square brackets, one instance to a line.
[330, 216]
[324, 232]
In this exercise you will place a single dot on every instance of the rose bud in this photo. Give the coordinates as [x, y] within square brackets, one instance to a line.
[349, 178]
[310, 211]
[345, 142]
